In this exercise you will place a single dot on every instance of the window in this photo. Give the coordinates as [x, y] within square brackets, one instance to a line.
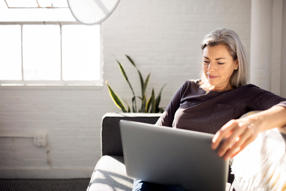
[50, 50]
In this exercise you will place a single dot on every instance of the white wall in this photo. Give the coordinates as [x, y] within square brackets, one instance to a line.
[283, 60]
[162, 36]
[267, 64]
[165, 37]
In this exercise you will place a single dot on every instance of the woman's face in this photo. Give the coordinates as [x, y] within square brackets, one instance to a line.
[218, 66]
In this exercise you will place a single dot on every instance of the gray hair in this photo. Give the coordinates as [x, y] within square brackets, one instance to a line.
[232, 41]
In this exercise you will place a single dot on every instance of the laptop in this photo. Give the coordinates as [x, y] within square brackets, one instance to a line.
[167, 155]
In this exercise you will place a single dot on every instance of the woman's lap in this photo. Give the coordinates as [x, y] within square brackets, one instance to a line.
[140, 185]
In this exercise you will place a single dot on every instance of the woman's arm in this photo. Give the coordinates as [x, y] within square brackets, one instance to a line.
[235, 135]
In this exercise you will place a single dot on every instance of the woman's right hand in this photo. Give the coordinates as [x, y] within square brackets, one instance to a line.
[235, 135]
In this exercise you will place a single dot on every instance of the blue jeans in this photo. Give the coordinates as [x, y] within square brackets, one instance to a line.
[140, 185]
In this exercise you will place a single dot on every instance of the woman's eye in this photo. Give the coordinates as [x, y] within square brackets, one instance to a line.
[206, 62]
[220, 63]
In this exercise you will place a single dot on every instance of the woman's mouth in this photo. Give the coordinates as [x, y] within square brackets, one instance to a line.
[212, 77]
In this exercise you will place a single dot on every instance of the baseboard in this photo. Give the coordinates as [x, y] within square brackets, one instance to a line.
[46, 173]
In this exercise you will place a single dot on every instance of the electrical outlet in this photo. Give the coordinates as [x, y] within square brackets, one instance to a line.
[40, 140]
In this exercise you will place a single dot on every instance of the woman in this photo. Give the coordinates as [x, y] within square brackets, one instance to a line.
[214, 103]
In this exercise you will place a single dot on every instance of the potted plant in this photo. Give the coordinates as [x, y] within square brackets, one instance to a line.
[149, 104]
[148, 112]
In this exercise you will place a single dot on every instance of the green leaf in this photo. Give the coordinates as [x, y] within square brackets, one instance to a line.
[134, 108]
[153, 109]
[143, 104]
[125, 76]
[122, 71]
[117, 101]
[141, 83]
[128, 107]
[149, 102]
[131, 61]
[134, 105]
[142, 90]
[157, 103]
[139, 74]
[146, 82]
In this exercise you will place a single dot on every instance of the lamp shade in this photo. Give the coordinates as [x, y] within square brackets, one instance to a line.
[92, 11]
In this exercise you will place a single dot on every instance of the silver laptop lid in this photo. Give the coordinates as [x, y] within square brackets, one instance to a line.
[167, 155]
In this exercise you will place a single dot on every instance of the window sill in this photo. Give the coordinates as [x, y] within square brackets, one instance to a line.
[53, 85]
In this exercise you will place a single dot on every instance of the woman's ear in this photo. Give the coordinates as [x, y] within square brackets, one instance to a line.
[236, 65]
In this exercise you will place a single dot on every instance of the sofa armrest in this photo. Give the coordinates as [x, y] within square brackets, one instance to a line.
[110, 132]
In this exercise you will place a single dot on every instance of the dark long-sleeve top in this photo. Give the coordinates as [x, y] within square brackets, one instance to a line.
[195, 109]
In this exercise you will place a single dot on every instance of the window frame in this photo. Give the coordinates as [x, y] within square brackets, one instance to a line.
[34, 14]
[53, 83]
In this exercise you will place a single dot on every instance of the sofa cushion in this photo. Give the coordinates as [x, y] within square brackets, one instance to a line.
[110, 174]
[110, 132]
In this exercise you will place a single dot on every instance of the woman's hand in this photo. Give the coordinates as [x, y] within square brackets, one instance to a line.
[235, 135]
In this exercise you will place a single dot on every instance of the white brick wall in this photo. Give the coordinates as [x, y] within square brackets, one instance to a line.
[162, 36]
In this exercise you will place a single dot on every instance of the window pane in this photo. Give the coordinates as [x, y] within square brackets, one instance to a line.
[36, 3]
[81, 53]
[34, 14]
[53, 3]
[10, 48]
[21, 3]
[41, 52]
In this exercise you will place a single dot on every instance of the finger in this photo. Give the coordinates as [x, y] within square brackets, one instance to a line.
[251, 134]
[233, 139]
[236, 147]
[224, 133]
[218, 137]
[247, 142]
[236, 152]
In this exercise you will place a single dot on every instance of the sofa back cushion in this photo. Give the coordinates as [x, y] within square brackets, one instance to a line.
[110, 132]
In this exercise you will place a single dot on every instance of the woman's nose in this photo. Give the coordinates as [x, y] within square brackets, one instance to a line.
[211, 67]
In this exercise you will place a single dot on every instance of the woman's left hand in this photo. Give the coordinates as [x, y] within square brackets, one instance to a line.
[234, 136]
